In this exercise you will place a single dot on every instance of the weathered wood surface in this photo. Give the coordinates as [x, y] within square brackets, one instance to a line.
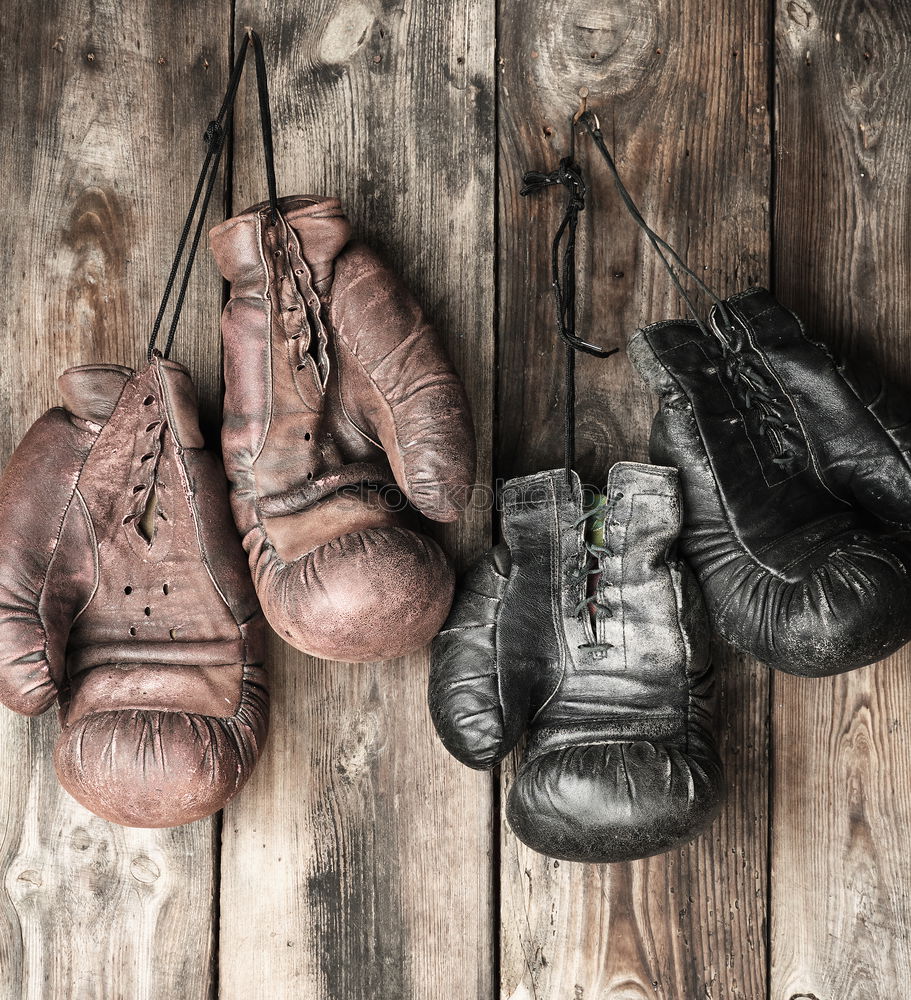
[681, 94]
[98, 163]
[841, 900]
[361, 860]
[357, 864]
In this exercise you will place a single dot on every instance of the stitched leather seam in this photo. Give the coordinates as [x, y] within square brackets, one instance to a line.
[663, 324]
[809, 552]
[496, 644]
[169, 411]
[584, 723]
[95, 558]
[188, 496]
[270, 394]
[677, 585]
[622, 588]
[47, 573]
[645, 468]
[746, 293]
[473, 627]
[609, 743]
[406, 486]
[57, 535]
[269, 408]
[556, 605]
[341, 394]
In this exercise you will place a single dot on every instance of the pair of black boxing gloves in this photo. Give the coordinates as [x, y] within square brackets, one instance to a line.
[776, 515]
[783, 479]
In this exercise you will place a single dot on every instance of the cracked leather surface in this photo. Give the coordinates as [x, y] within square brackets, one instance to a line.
[125, 597]
[337, 389]
[601, 659]
[796, 475]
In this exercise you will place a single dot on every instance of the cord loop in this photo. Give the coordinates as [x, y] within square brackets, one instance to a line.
[214, 138]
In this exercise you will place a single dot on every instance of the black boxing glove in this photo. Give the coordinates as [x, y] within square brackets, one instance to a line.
[796, 483]
[584, 629]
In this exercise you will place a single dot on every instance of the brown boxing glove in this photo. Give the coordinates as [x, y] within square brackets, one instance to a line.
[337, 388]
[124, 595]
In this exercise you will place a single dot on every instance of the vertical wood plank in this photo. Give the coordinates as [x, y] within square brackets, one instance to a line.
[357, 864]
[841, 901]
[102, 106]
[681, 92]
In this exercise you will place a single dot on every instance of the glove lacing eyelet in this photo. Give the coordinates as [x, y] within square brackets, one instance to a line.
[773, 425]
[593, 563]
[145, 509]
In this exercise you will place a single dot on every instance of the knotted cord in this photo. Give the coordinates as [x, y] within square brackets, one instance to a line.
[563, 279]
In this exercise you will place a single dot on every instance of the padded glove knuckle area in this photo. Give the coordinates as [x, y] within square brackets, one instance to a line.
[366, 595]
[850, 606]
[605, 802]
[782, 462]
[153, 636]
[151, 768]
[594, 643]
[339, 399]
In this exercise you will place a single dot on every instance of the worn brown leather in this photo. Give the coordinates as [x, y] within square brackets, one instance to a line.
[336, 387]
[125, 597]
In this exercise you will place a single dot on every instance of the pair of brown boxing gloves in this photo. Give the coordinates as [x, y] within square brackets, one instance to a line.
[123, 590]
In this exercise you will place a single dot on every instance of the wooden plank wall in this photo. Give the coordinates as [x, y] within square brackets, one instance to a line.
[769, 140]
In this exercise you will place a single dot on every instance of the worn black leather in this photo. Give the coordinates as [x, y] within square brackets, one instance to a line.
[796, 475]
[603, 658]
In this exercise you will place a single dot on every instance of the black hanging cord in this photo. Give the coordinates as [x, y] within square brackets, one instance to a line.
[265, 120]
[661, 246]
[563, 272]
[215, 136]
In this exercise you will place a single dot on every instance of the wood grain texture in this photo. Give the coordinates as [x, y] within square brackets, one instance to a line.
[357, 864]
[359, 861]
[100, 106]
[681, 94]
[841, 902]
